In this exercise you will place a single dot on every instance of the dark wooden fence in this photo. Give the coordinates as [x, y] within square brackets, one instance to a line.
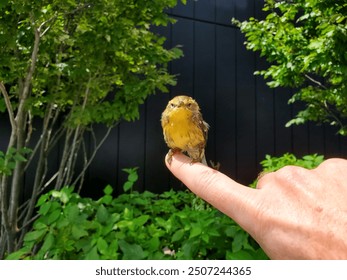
[247, 118]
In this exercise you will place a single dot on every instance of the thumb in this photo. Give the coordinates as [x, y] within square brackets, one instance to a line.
[235, 200]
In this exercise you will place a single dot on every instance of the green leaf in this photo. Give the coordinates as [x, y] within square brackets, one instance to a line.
[42, 200]
[92, 254]
[125, 224]
[153, 244]
[133, 177]
[239, 255]
[53, 216]
[140, 221]
[113, 247]
[240, 239]
[128, 214]
[65, 196]
[77, 232]
[178, 235]
[48, 242]
[189, 248]
[131, 251]
[127, 186]
[102, 214]
[108, 190]
[72, 213]
[195, 231]
[39, 225]
[35, 235]
[44, 208]
[205, 237]
[56, 194]
[19, 157]
[102, 246]
[26, 250]
[260, 255]
[106, 199]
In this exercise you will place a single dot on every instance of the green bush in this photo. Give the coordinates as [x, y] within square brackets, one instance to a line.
[172, 225]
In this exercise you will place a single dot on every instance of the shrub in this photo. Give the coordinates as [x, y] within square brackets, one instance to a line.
[172, 225]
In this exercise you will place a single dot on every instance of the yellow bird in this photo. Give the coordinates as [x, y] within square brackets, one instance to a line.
[184, 129]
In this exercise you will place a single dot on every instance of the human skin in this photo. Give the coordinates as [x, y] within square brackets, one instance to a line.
[294, 213]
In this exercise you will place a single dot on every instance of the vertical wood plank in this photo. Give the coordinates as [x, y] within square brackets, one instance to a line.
[186, 10]
[103, 169]
[225, 11]
[5, 131]
[225, 124]
[131, 152]
[205, 10]
[300, 134]
[316, 139]
[265, 115]
[183, 35]
[283, 113]
[246, 116]
[332, 142]
[156, 174]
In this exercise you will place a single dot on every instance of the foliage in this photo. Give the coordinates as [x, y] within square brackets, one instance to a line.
[172, 225]
[85, 52]
[65, 66]
[132, 178]
[271, 163]
[8, 160]
[305, 42]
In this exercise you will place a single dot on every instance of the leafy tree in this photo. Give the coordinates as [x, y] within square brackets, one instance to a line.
[70, 64]
[305, 42]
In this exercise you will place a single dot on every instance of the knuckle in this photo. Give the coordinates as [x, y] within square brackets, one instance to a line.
[264, 179]
[333, 163]
[283, 175]
[293, 176]
[288, 172]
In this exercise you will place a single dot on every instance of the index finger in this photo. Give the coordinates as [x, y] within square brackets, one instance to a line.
[235, 200]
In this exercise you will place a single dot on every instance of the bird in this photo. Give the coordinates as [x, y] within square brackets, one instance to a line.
[184, 128]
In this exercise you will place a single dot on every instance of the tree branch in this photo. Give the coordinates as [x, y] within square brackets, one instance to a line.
[8, 106]
[17, 178]
[331, 114]
[315, 81]
[65, 155]
[95, 150]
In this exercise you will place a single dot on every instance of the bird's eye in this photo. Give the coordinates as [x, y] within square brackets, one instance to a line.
[172, 105]
[189, 105]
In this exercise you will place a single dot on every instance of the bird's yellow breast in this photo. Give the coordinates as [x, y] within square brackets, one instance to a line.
[181, 132]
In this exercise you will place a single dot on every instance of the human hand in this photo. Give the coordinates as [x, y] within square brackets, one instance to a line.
[294, 213]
